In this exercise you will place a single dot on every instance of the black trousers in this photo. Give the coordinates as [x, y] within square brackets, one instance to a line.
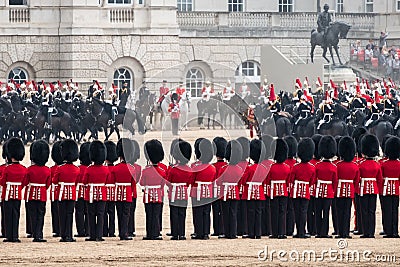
[123, 209]
[311, 225]
[160, 217]
[66, 214]
[37, 210]
[153, 212]
[383, 212]
[343, 211]
[96, 218]
[242, 217]
[368, 217]
[322, 207]
[81, 217]
[300, 214]
[266, 218]
[218, 225]
[3, 227]
[334, 215]
[175, 126]
[12, 210]
[131, 223]
[177, 212]
[390, 205]
[290, 218]
[229, 213]
[109, 219]
[278, 215]
[254, 214]
[357, 206]
[28, 228]
[55, 217]
[201, 216]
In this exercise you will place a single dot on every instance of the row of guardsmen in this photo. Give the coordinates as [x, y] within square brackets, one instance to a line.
[268, 197]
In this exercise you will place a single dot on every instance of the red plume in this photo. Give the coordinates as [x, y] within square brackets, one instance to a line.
[345, 85]
[307, 81]
[251, 131]
[333, 85]
[367, 83]
[326, 95]
[51, 87]
[376, 98]
[385, 84]
[35, 85]
[98, 85]
[320, 82]
[358, 90]
[67, 83]
[336, 93]
[298, 82]
[272, 96]
[388, 92]
[59, 84]
[76, 84]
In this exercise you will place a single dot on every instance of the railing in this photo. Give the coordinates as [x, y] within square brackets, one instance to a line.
[240, 19]
[197, 19]
[297, 20]
[361, 21]
[121, 15]
[19, 15]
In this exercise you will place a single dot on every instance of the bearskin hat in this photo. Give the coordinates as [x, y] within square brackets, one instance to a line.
[56, 153]
[204, 150]
[69, 150]
[281, 150]
[173, 143]
[4, 153]
[337, 140]
[220, 146]
[370, 145]
[182, 152]
[357, 134]
[175, 96]
[256, 146]
[392, 148]
[111, 148]
[269, 145]
[384, 139]
[84, 154]
[40, 152]
[154, 151]
[234, 152]
[124, 149]
[305, 149]
[97, 152]
[196, 147]
[15, 149]
[347, 148]
[245, 143]
[327, 147]
[316, 139]
[136, 151]
[292, 146]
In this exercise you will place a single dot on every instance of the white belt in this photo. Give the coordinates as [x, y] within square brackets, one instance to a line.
[226, 186]
[121, 184]
[199, 185]
[386, 182]
[91, 191]
[319, 182]
[53, 190]
[362, 183]
[146, 191]
[340, 182]
[250, 189]
[273, 183]
[174, 186]
[296, 182]
[29, 189]
[8, 188]
[62, 186]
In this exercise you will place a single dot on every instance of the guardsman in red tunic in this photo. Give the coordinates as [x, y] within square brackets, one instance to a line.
[278, 181]
[380, 161]
[291, 161]
[242, 208]
[109, 213]
[153, 182]
[180, 177]
[370, 174]
[81, 213]
[164, 91]
[135, 155]
[229, 180]
[55, 218]
[348, 174]
[174, 109]
[326, 174]
[301, 177]
[95, 178]
[2, 167]
[220, 146]
[202, 188]
[12, 179]
[389, 188]
[65, 179]
[124, 177]
[37, 181]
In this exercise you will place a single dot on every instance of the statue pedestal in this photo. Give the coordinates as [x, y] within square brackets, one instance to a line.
[339, 74]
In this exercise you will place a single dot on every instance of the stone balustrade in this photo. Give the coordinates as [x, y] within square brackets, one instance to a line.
[240, 19]
[121, 15]
[197, 19]
[19, 15]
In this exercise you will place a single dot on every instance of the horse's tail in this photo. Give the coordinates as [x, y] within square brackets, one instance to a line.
[140, 123]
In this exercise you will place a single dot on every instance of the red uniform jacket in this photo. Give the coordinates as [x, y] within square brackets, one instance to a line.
[326, 174]
[110, 185]
[37, 180]
[253, 184]
[278, 180]
[291, 162]
[389, 185]
[80, 186]
[245, 167]
[2, 167]
[95, 179]
[229, 180]
[153, 181]
[138, 174]
[370, 174]
[174, 109]
[163, 90]
[203, 177]
[267, 164]
[123, 175]
[12, 179]
[180, 177]
[180, 91]
[302, 177]
[314, 162]
[65, 178]
[218, 165]
[348, 175]
[53, 190]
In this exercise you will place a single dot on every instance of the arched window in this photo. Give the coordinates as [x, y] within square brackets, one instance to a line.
[122, 75]
[250, 71]
[19, 75]
[194, 82]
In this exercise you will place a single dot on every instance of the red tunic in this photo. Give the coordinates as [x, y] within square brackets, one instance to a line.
[164, 90]
[302, 177]
[278, 180]
[180, 91]
[267, 164]
[95, 179]
[348, 175]
[180, 177]
[12, 179]
[389, 185]
[123, 175]
[229, 180]
[203, 177]
[153, 181]
[174, 109]
[53, 190]
[66, 177]
[254, 183]
[80, 187]
[218, 165]
[37, 180]
[138, 174]
[326, 174]
[2, 167]
[291, 162]
[245, 167]
[110, 185]
[370, 174]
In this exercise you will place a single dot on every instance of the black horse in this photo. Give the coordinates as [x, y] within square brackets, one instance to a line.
[336, 31]
[211, 108]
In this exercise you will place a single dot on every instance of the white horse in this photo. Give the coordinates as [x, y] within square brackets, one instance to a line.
[184, 109]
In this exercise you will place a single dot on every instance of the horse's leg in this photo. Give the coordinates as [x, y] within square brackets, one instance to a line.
[312, 53]
[330, 51]
[337, 54]
[324, 54]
